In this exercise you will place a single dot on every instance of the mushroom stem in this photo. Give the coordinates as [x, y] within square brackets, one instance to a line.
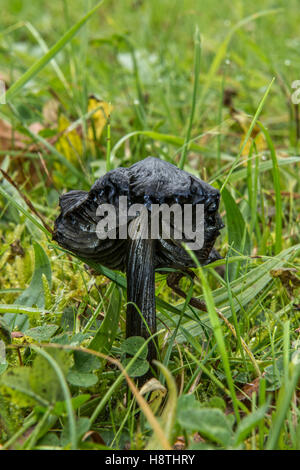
[141, 286]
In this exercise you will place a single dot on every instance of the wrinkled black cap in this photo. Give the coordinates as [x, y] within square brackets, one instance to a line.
[150, 181]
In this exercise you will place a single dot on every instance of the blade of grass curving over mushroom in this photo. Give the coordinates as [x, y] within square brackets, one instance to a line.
[41, 63]
[194, 99]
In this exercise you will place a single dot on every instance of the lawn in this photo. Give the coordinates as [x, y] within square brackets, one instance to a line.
[211, 87]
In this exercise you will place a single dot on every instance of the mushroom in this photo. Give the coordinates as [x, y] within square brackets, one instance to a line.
[145, 187]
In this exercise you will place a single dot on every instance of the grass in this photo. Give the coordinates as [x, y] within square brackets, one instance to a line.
[232, 123]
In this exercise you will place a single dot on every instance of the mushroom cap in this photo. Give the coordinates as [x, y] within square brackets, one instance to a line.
[149, 181]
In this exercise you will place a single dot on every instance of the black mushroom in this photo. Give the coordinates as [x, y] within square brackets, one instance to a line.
[135, 193]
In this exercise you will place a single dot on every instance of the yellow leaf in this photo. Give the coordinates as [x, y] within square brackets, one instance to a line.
[69, 144]
[98, 119]
[259, 142]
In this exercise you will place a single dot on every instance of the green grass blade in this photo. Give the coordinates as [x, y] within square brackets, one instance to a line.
[118, 381]
[276, 181]
[283, 402]
[194, 99]
[104, 337]
[9, 308]
[254, 120]
[262, 167]
[53, 62]
[66, 392]
[244, 289]
[24, 211]
[41, 63]
[216, 326]
[165, 138]
[238, 236]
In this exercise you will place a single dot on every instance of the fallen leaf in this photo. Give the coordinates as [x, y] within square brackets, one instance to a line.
[287, 278]
[50, 112]
[98, 119]
[10, 139]
[17, 334]
[248, 390]
[179, 443]
[69, 143]
[94, 436]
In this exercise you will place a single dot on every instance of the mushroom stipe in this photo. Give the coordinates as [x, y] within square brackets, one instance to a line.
[150, 181]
